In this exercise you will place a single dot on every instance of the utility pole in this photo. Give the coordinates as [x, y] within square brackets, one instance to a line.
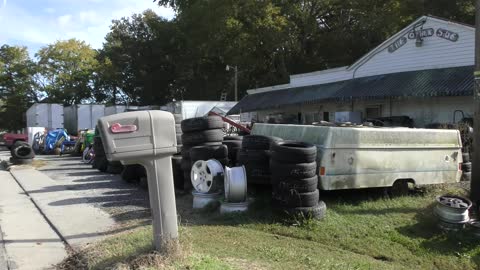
[475, 182]
[235, 69]
[236, 82]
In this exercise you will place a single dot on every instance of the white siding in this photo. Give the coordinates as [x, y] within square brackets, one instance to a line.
[435, 52]
[422, 111]
[320, 77]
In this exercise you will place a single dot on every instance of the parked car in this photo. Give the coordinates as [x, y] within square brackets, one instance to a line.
[11, 138]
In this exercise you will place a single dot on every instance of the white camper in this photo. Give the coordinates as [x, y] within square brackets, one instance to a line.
[362, 157]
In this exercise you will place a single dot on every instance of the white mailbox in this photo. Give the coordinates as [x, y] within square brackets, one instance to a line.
[147, 138]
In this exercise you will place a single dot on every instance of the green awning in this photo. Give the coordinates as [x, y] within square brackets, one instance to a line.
[446, 82]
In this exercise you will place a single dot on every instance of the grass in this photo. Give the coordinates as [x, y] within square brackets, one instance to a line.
[362, 230]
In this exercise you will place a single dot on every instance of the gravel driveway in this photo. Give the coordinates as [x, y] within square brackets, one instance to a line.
[127, 203]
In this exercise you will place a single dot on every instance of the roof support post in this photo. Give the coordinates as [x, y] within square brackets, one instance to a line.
[475, 182]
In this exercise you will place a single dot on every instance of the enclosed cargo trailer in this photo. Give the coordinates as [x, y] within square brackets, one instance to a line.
[80, 117]
[46, 115]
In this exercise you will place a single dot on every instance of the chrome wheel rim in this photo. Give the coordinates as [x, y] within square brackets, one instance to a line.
[204, 173]
[235, 184]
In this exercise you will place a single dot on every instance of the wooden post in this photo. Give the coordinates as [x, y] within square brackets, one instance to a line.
[475, 183]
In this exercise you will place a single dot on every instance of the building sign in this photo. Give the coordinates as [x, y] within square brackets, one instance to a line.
[422, 33]
[397, 44]
[448, 35]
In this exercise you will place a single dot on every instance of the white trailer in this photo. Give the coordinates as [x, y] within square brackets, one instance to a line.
[45, 115]
[191, 109]
[361, 157]
[79, 117]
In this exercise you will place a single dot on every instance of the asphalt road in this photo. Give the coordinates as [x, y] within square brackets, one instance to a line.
[126, 203]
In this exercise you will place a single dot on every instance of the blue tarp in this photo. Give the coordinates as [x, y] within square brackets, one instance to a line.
[53, 137]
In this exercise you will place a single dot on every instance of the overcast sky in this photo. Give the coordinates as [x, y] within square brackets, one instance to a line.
[35, 23]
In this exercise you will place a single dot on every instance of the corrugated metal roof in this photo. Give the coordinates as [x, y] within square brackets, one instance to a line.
[444, 82]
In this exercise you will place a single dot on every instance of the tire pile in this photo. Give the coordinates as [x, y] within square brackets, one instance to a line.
[136, 173]
[255, 156]
[294, 179]
[466, 167]
[203, 135]
[22, 153]
[100, 162]
[234, 144]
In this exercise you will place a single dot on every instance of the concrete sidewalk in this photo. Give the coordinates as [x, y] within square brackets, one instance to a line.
[29, 241]
[78, 223]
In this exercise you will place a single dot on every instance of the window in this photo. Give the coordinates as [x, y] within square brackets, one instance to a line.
[326, 116]
[374, 112]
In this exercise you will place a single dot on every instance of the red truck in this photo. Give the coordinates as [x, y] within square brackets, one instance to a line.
[11, 138]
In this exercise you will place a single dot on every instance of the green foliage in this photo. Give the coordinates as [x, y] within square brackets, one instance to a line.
[17, 86]
[67, 71]
[141, 50]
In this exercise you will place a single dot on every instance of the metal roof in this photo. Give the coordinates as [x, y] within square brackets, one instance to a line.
[446, 82]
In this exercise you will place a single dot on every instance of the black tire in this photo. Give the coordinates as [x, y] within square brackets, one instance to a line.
[293, 152]
[115, 167]
[232, 144]
[293, 171]
[399, 188]
[233, 138]
[466, 157]
[467, 176]
[233, 147]
[187, 182]
[23, 151]
[179, 139]
[16, 161]
[95, 163]
[186, 165]
[200, 137]
[15, 145]
[318, 211]
[258, 175]
[102, 164]
[300, 185]
[256, 157]
[202, 123]
[178, 118]
[208, 152]
[130, 173]
[258, 142]
[294, 199]
[177, 172]
[467, 167]
[232, 154]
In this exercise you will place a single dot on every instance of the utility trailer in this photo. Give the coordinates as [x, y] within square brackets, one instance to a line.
[366, 157]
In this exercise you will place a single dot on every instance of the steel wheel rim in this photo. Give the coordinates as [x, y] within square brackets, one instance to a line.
[235, 184]
[203, 174]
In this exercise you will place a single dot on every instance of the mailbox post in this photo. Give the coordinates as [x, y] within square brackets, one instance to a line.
[147, 138]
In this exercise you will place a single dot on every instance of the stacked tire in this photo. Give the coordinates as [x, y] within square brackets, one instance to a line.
[178, 131]
[234, 144]
[295, 180]
[255, 156]
[100, 162]
[466, 167]
[22, 153]
[204, 133]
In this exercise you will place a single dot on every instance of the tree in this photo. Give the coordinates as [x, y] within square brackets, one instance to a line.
[141, 50]
[17, 86]
[67, 70]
